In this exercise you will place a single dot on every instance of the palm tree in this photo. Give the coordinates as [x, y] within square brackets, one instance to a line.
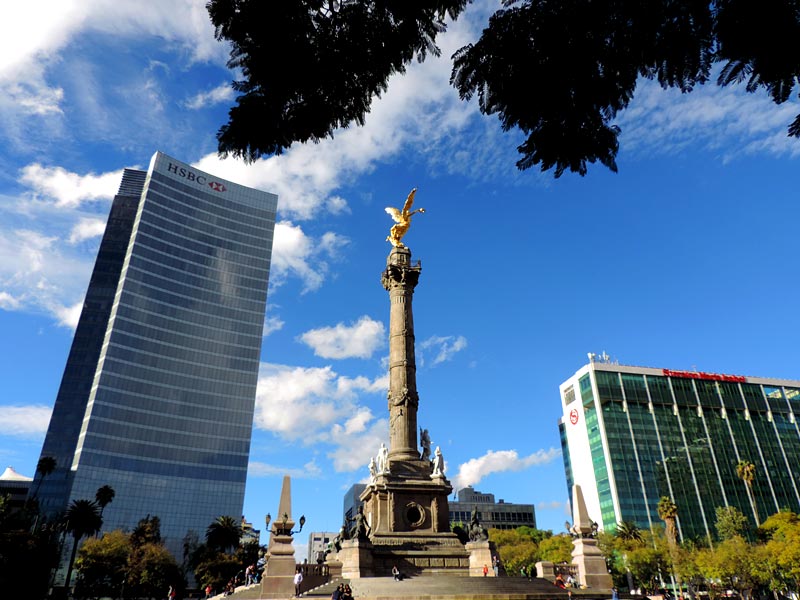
[668, 512]
[746, 471]
[224, 533]
[104, 496]
[45, 466]
[83, 519]
[628, 531]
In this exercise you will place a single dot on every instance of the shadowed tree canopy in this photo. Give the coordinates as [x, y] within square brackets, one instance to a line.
[311, 66]
[559, 71]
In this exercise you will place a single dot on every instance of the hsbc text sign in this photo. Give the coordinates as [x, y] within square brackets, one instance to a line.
[192, 176]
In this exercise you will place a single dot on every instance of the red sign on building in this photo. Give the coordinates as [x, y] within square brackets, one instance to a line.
[708, 376]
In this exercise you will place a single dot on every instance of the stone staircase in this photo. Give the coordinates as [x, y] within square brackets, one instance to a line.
[447, 587]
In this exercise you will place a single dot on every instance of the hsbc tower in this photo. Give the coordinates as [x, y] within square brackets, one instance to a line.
[158, 393]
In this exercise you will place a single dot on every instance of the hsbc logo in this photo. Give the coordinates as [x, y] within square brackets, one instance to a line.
[192, 176]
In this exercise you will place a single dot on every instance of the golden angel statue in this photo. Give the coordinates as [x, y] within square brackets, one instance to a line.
[402, 220]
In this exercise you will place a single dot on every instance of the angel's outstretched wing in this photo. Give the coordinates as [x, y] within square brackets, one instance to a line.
[409, 201]
[395, 214]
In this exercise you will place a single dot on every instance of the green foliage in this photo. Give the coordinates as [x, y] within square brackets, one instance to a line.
[732, 564]
[559, 72]
[731, 523]
[102, 566]
[224, 534]
[147, 531]
[515, 548]
[556, 549]
[217, 569]
[152, 569]
[248, 553]
[26, 559]
[82, 520]
[338, 55]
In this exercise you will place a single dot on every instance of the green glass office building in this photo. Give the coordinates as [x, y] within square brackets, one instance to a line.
[631, 435]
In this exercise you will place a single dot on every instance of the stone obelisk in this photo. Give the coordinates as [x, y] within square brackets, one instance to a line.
[278, 580]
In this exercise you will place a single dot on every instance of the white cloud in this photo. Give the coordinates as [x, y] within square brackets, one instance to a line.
[86, 229]
[308, 403]
[552, 505]
[8, 302]
[445, 348]
[293, 253]
[660, 121]
[38, 275]
[272, 324]
[260, 469]
[474, 470]
[68, 316]
[25, 421]
[221, 93]
[69, 190]
[359, 340]
[318, 406]
[359, 445]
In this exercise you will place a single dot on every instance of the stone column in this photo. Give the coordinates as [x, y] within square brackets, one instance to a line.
[399, 279]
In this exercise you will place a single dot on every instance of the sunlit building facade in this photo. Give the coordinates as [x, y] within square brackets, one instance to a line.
[631, 435]
[492, 514]
[158, 393]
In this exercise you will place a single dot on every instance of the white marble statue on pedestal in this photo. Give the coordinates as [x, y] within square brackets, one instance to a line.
[438, 462]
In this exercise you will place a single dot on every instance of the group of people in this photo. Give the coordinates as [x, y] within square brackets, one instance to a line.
[343, 592]
[569, 582]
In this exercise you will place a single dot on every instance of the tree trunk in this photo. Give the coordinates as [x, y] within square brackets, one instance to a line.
[71, 562]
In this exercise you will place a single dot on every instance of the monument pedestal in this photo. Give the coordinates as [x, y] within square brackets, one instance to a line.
[480, 554]
[355, 558]
[592, 569]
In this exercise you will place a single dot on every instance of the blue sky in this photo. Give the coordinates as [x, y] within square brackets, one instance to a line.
[685, 259]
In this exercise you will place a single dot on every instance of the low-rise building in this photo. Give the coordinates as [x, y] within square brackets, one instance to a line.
[498, 515]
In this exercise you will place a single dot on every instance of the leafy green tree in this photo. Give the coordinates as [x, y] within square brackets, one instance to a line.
[515, 548]
[224, 534]
[735, 564]
[27, 555]
[649, 559]
[152, 570]
[83, 519]
[559, 72]
[556, 549]
[217, 569]
[342, 54]
[104, 496]
[102, 566]
[629, 536]
[781, 557]
[147, 531]
[746, 471]
[731, 522]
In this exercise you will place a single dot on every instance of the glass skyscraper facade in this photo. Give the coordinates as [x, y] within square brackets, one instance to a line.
[631, 435]
[158, 393]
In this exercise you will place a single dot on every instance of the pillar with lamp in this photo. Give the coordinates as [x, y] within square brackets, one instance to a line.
[278, 580]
